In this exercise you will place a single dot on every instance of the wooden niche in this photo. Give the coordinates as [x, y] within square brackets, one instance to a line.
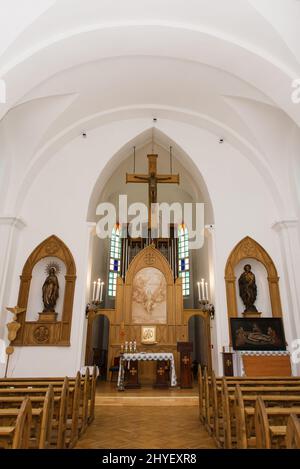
[43, 333]
[245, 249]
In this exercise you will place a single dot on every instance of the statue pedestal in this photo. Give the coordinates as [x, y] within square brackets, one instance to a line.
[49, 316]
[251, 314]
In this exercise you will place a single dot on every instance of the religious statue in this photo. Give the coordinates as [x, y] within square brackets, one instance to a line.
[248, 288]
[50, 289]
[152, 179]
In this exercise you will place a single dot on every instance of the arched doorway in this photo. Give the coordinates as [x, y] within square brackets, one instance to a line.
[97, 344]
[199, 333]
[100, 341]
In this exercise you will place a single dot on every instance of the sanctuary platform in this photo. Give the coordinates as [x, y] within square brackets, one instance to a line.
[108, 395]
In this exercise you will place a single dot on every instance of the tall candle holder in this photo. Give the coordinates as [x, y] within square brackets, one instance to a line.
[203, 300]
[97, 297]
[205, 305]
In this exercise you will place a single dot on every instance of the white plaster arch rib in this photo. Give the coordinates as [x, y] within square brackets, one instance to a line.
[167, 112]
[179, 40]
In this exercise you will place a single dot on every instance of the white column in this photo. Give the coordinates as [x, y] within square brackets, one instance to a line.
[10, 228]
[9, 232]
[90, 235]
[216, 324]
[289, 237]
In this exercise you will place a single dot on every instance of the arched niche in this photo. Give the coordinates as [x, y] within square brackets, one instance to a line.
[248, 248]
[42, 332]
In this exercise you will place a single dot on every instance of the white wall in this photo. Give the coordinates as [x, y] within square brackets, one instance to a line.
[58, 200]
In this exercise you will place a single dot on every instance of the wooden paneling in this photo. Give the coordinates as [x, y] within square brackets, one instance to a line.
[42, 333]
[167, 335]
[273, 365]
[245, 249]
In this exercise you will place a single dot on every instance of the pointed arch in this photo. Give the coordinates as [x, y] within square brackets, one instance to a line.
[245, 249]
[58, 333]
[196, 179]
[149, 257]
[52, 246]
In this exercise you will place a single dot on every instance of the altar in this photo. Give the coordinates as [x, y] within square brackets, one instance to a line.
[160, 357]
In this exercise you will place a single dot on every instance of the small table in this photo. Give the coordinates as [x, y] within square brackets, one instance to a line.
[143, 356]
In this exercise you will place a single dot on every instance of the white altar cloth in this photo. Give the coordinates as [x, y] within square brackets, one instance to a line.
[149, 356]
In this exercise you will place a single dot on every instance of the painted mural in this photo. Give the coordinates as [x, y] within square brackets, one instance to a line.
[149, 297]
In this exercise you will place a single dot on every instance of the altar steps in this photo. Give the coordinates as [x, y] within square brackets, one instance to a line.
[146, 396]
[146, 401]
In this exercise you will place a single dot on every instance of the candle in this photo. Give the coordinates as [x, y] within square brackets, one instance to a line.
[206, 291]
[202, 289]
[101, 291]
[199, 294]
[94, 290]
[98, 289]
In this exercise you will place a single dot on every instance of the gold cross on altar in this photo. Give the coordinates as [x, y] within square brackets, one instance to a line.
[133, 371]
[152, 179]
[160, 371]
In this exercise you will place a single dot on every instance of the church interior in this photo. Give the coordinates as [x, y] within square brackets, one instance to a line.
[149, 224]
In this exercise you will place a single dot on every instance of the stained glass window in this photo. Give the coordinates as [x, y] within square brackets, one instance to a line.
[183, 259]
[114, 261]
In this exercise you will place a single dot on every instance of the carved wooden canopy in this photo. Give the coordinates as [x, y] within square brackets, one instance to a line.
[44, 333]
[245, 249]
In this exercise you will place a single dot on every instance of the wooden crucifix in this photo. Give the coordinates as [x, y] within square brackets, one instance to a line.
[152, 179]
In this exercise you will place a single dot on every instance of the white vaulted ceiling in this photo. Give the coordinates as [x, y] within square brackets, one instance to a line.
[71, 65]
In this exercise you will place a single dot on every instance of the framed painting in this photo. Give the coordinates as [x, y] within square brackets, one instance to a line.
[257, 334]
[148, 335]
[149, 297]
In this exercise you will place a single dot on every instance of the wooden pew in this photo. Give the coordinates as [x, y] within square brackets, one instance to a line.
[47, 420]
[216, 398]
[72, 410]
[244, 413]
[54, 405]
[61, 420]
[271, 424]
[293, 432]
[84, 407]
[91, 414]
[41, 421]
[73, 423]
[242, 410]
[17, 436]
[44, 382]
